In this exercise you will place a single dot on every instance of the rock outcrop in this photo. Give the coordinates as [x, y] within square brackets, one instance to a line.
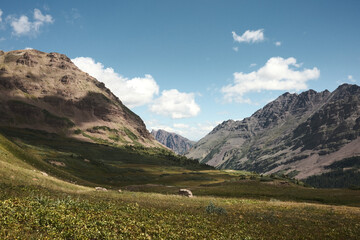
[185, 192]
[101, 189]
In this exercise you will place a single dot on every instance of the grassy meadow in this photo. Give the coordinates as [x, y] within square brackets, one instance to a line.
[47, 192]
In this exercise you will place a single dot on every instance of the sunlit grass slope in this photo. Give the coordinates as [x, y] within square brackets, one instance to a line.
[39, 198]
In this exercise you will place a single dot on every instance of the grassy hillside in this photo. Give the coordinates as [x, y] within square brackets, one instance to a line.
[40, 200]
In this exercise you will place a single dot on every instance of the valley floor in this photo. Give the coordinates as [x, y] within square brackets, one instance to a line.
[30, 212]
[40, 200]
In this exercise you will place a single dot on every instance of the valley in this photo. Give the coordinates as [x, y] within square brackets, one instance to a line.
[60, 200]
[81, 165]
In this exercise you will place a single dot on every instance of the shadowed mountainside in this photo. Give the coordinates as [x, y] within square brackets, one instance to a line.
[177, 143]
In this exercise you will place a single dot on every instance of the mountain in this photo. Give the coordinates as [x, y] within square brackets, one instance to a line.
[177, 143]
[300, 135]
[46, 91]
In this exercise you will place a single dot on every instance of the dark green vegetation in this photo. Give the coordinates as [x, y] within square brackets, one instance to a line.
[93, 164]
[35, 114]
[343, 174]
[39, 200]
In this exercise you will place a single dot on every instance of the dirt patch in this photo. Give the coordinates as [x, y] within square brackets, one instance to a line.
[59, 164]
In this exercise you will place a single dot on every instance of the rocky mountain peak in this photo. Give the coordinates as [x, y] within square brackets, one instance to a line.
[345, 91]
[224, 125]
[296, 133]
[174, 141]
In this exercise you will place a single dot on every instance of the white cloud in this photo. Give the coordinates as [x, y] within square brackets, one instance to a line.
[351, 78]
[175, 104]
[193, 131]
[200, 130]
[277, 74]
[39, 17]
[28, 48]
[236, 49]
[23, 26]
[180, 125]
[154, 124]
[253, 65]
[249, 36]
[1, 13]
[278, 44]
[133, 92]
[164, 127]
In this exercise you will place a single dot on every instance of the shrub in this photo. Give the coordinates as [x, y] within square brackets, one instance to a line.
[77, 131]
[211, 208]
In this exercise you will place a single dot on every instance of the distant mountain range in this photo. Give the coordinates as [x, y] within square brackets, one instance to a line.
[177, 143]
[299, 135]
[46, 91]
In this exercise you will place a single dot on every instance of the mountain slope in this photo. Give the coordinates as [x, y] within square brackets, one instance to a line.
[298, 135]
[173, 141]
[46, 91]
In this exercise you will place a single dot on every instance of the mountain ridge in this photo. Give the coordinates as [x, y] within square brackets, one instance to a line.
[174, 141]
[46, 91]
[292, 129]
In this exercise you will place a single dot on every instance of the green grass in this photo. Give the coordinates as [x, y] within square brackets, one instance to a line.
[153, 170]
[56, 120]
[227, 204]
[37, 213]
[130, 134]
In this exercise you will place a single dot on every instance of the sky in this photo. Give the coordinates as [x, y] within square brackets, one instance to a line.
[186, 66]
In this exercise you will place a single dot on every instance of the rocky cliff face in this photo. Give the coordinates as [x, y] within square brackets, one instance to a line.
[296, 134]
[46, 91]
[173, 141]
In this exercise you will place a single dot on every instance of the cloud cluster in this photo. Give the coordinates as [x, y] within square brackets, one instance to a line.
[23, 26]
[175, 104]
[140, 91]
[1, 12]
[249, 36]
[133, 92]
[277, 74]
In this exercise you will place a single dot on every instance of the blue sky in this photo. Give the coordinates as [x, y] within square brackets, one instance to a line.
[186, 66]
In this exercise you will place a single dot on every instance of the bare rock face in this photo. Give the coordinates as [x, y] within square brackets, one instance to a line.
[173, 141]
[46, 91]
[185, 192]
[66, 79]
[296, 134]
[27, 59]
[100, 189]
